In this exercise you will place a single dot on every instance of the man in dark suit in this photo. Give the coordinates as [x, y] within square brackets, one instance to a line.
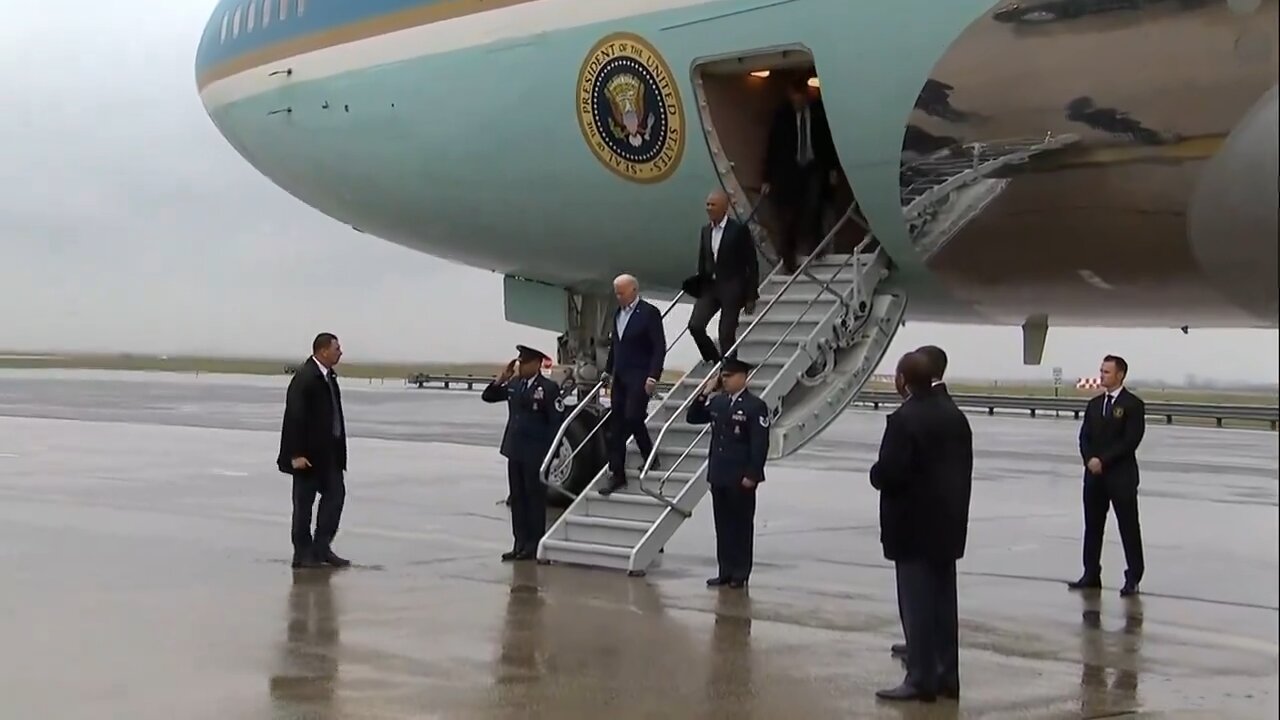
[925, 476]
[728, 277]
[313, 449]
[735, 467]
[1113, 426]
[937, 359]
[800, 170]
[636, 356]
[534, 413]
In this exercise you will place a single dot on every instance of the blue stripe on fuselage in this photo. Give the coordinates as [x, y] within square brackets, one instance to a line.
[318, 16]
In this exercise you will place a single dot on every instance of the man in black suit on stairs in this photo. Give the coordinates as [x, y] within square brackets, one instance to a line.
[1112, 429]
[728, 277]
[313, 449]
[636, 356]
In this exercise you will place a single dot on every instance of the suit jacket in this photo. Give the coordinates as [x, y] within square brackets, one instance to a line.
[307, 429]
[642, 350]
[925, 477]
[784, 140]
[534, 414]
[736, 268]
[1114, 439]
[739, 436]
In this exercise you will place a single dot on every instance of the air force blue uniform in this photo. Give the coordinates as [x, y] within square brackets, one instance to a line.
[535, 412]
[739, 446]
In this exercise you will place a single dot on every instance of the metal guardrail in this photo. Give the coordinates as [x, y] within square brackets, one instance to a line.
[1032, 404]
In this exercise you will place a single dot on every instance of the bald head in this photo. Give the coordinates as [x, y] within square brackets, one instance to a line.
[626, 288]
[717, 206]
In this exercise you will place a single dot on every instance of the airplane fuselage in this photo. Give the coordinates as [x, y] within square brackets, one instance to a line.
[492, 133]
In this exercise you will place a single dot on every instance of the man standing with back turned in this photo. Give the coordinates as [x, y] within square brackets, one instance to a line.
[1113, 426]
[728, 277]
[636, 356]
[313, 449]
[925, 477]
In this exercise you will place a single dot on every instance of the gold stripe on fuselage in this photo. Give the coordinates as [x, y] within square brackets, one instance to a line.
[360, 30]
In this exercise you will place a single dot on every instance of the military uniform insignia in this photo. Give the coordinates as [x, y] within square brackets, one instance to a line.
[537, 393]
[629, 109]
[764, 420]
[559, 405]
[1118, 412]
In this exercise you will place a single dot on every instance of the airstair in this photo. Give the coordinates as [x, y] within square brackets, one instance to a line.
[815, 340]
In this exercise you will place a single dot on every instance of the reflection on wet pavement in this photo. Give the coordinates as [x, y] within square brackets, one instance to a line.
[147, 577]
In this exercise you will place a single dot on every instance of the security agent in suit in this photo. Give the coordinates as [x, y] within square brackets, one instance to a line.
[925, 476]
[313, 449]
[1110, 433]
[937, 358]
[535, 411]
[728, 277]
[735, 467]
[636, 355]
[800, 171]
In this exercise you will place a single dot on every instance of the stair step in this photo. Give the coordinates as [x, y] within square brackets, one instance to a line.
[585, 553]
[605, 531]
[624, 505]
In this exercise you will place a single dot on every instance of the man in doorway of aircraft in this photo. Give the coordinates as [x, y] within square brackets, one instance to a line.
[637, 353]
[1112, 429]
[728, 277]
[800, 171]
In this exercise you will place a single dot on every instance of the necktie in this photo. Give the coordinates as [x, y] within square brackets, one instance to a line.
[802, 152]
[1106, 406]
[332, 381]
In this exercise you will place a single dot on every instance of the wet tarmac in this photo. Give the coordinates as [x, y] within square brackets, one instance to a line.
[145, 535]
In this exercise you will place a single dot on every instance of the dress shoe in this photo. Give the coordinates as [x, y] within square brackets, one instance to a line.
[527, 555]
[328, 557]
[616, 482]
[950, 692]
[737, 584]
[305, 560]
[1130, 589]
[717, 582]
[906, 692]
[898, 650]
[510, 555]
[1086, 582]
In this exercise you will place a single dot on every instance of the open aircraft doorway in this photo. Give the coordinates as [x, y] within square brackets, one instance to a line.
[740, 99]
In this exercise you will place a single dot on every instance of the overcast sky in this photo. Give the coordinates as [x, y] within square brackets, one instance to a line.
[128, 224]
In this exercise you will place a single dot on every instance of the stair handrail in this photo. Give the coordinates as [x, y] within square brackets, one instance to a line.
[657, 443]
[593, 394]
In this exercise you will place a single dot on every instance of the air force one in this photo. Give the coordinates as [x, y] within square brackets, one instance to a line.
[1042, 163]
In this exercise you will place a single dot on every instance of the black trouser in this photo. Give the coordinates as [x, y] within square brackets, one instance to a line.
[528, 504]
[734, 508]
[1099, 493]
[328, 483]
[629, 405]
[799, 210]
[927, 599]
[728, 301]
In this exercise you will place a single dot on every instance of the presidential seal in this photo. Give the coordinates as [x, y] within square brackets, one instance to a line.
[629, 109]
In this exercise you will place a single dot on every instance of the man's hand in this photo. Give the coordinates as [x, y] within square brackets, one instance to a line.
[748, 483]
[508, 371]
[1095, 466]
[710, 385]
[649, 386]
[606, 379]
[750, 307]
[300, 463]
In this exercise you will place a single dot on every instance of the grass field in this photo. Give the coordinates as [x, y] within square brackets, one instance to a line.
[399, 371]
